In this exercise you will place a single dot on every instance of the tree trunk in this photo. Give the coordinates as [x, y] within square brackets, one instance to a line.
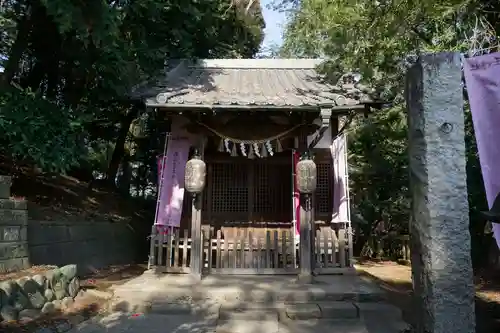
[16, 52]
[119, 151]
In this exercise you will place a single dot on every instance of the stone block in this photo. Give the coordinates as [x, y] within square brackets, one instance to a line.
[17, 204]
[38, 254]
[302, 311]
[9, 313]
[5, 184]
[339, 310]
[245, 326]
[78, 233]
[257, 312]
[13, 250]
[44, 233]
[49, 307]
[10, 233]
[13, 217]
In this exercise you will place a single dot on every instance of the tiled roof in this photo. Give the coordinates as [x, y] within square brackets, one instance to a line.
[251, 82]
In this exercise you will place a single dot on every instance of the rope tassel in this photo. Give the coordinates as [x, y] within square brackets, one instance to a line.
[279, 147]
[256, 149]
[221, 146]
[251, 154]
[243, 149]
[234, 152]
[264, 150]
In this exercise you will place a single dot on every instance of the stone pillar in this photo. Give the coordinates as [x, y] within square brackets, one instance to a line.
[13, 230]
[440, 240]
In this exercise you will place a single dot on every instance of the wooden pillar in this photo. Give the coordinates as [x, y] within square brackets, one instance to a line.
[196, 236]
[306, 231]
[196, 254]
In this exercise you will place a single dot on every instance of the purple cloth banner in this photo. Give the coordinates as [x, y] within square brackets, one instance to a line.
[340, 211]
[296, 194]
[482, 77]
[171, 189]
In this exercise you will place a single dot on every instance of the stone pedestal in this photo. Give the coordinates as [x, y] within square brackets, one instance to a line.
[440, 240]
[13, 230]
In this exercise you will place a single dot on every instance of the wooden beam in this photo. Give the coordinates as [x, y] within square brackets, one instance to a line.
[196, 245]
[326, 115]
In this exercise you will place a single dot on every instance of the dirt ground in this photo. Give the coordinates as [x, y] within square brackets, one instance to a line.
[395, 279]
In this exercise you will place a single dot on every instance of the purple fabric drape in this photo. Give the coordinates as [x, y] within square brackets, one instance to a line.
[340, 211]
[171, 189]
[296, 194]
[482, 77]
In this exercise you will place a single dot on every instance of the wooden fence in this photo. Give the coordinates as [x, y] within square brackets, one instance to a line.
[331, 250]
[248, 251]
[245, 251]
[170, 252]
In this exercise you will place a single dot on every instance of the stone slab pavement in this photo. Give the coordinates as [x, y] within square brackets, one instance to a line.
[250, 304]
[161, 323]
[234, 289]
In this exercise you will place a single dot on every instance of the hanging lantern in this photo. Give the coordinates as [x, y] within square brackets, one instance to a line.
[194, 176]
[306, 175]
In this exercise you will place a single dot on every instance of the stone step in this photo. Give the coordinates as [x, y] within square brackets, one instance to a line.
[306, 326]
[251, 311]
[380, 310]
[247, 326]
[323, 310]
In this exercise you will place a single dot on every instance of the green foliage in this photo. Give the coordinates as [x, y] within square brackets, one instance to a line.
[38, 131]
[380, 39]
[81, 59]
[378, 170]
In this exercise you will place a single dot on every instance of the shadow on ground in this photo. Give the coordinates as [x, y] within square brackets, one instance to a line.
[233, 304]
[399, 293]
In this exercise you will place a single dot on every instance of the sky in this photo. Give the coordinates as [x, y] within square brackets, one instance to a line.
[274, 25]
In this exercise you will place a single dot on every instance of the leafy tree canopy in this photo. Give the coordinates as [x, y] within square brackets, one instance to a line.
[380, 39]
[74, 62]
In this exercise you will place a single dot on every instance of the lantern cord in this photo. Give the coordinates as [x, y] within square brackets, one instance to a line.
[272, 138]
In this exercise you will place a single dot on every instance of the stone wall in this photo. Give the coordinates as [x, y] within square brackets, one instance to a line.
[13, 230]
[29, 297]
[90, 245]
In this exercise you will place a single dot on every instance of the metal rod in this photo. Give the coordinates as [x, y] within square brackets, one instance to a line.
[160, 186]
[162, 166]
[349, 227]
[294, 210]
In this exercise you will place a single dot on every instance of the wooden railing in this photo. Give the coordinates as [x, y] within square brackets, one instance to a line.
[245, 251]
[249, 251]
[331, 251]
[170, 252]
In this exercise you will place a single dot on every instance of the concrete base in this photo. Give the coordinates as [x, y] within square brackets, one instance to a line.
[233, 304]
[261, 289]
